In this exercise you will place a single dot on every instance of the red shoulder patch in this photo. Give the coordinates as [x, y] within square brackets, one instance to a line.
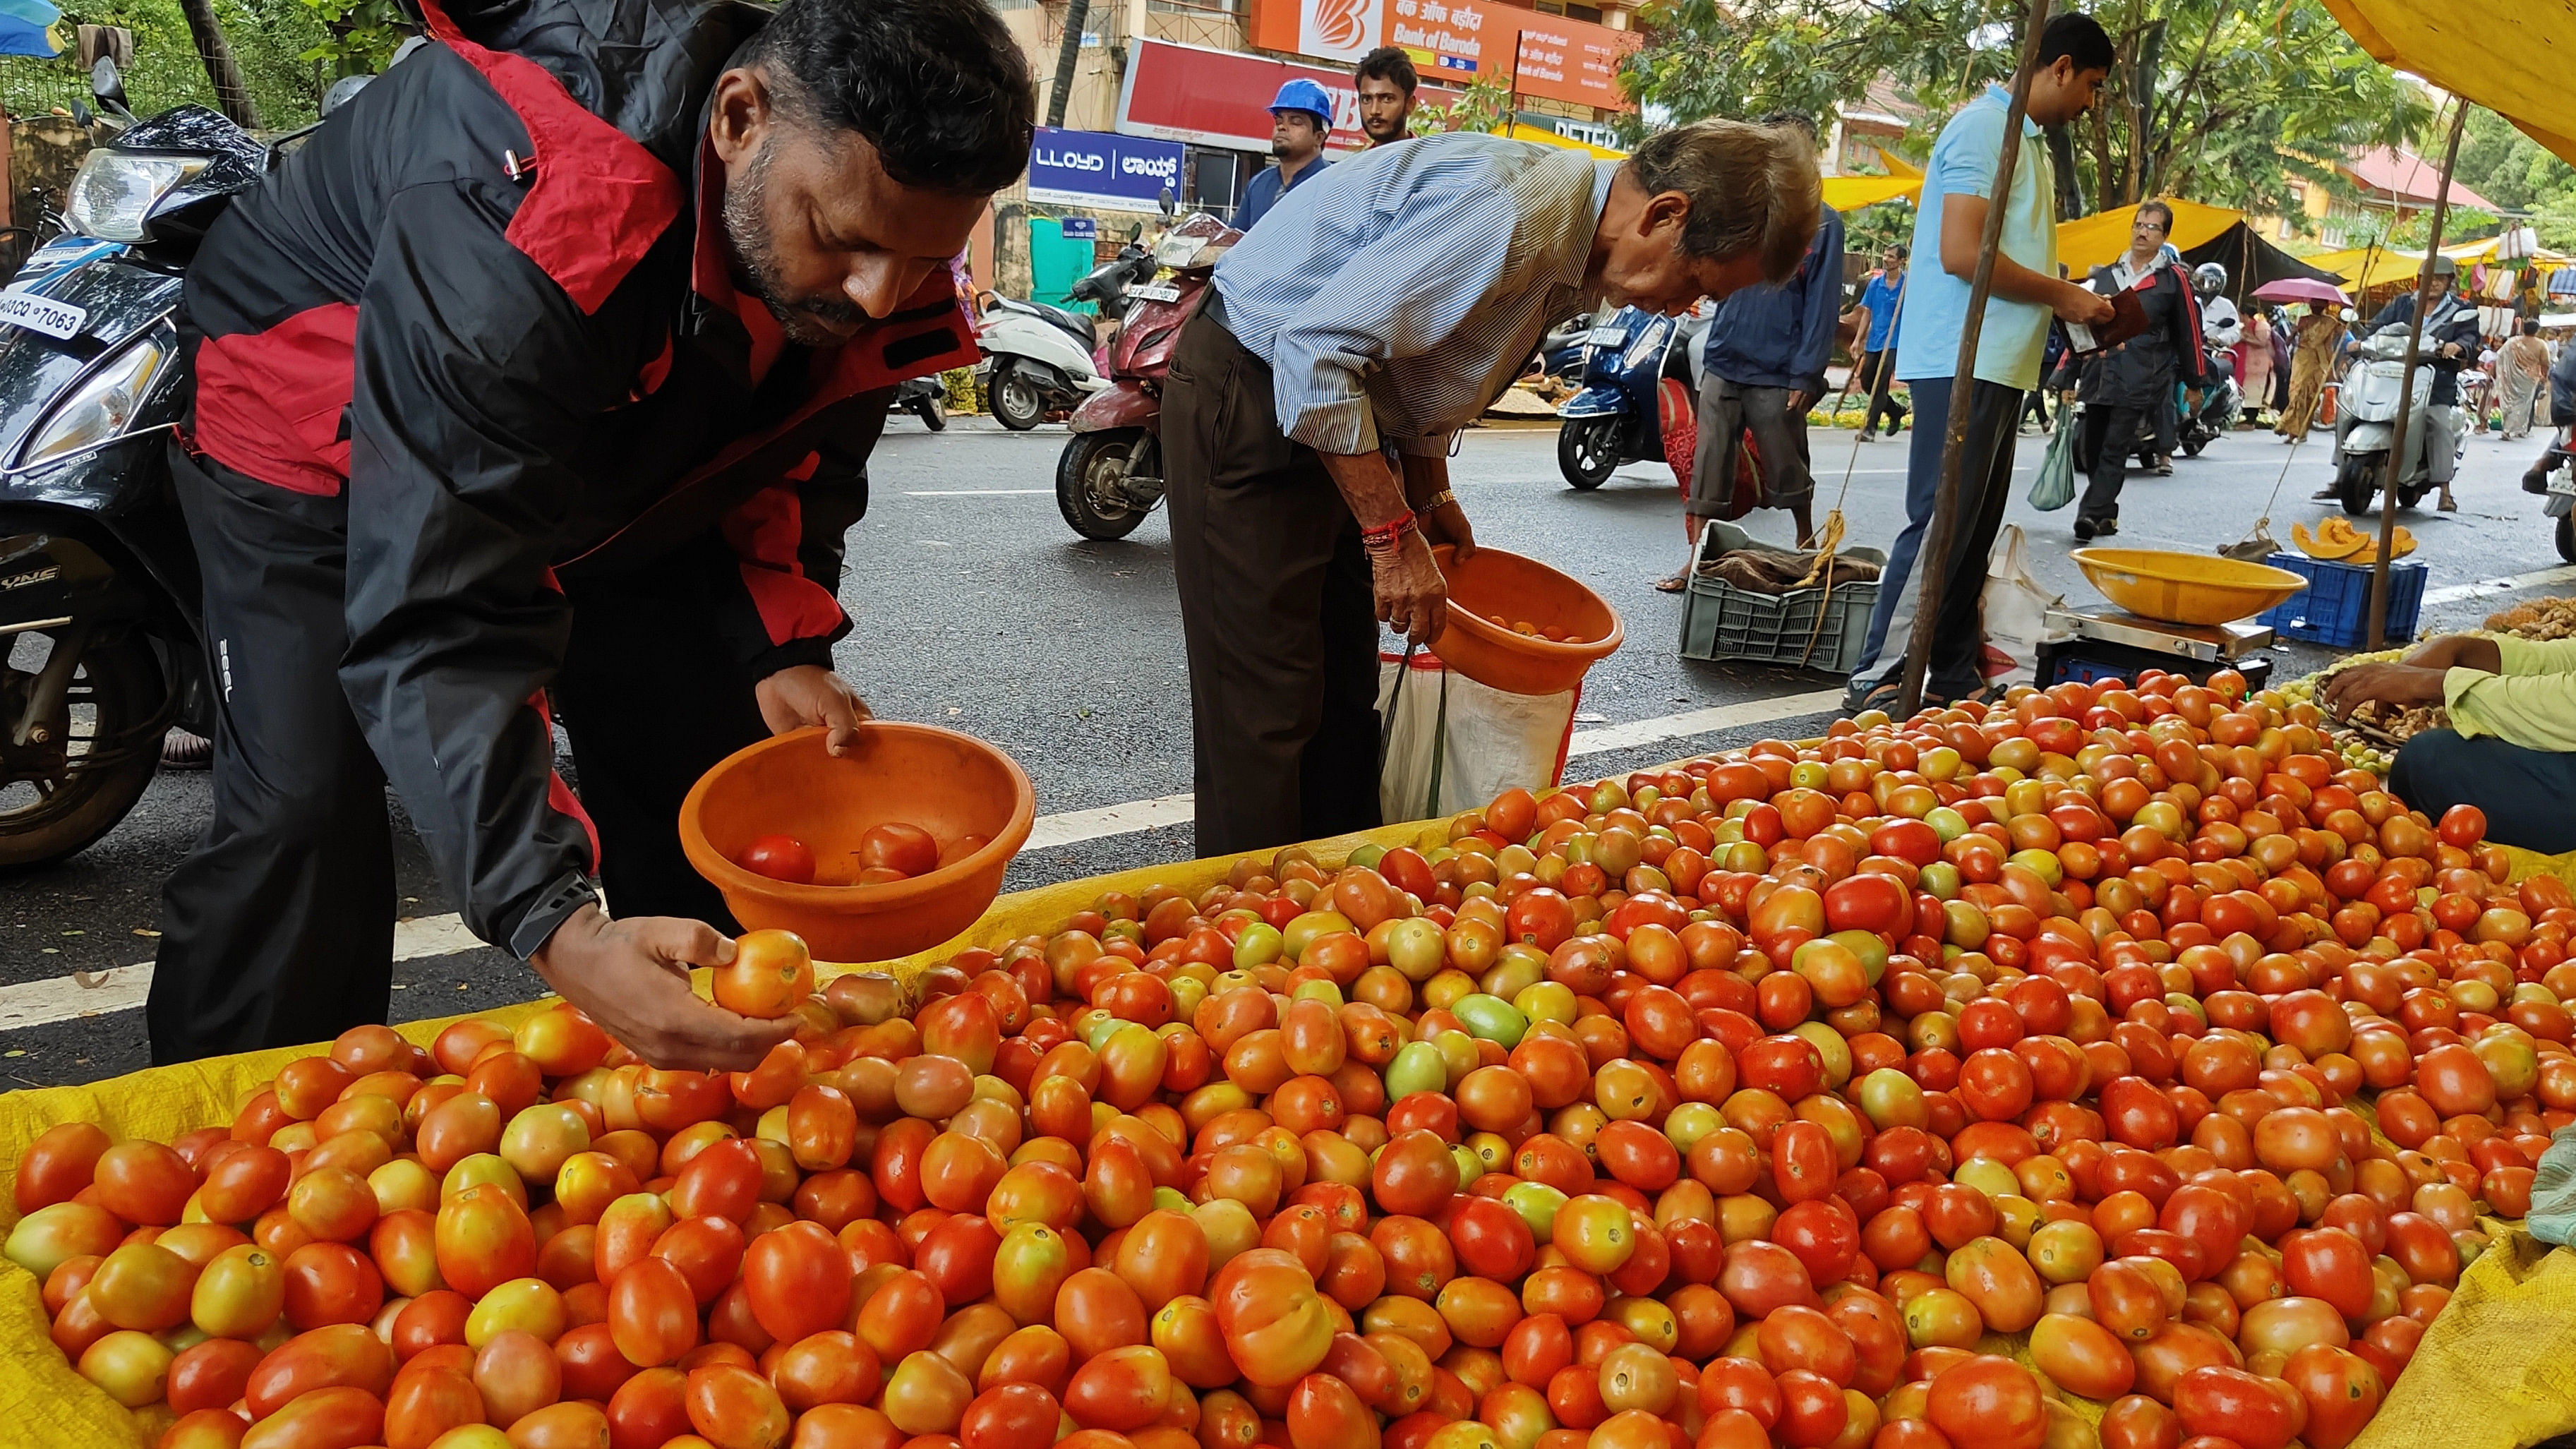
[599, 200]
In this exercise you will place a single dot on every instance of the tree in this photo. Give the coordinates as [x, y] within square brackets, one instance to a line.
[1484, 106]
[2223, 101]
[232, 93]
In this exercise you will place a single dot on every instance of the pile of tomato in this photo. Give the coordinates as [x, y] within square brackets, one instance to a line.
[1725, 1106]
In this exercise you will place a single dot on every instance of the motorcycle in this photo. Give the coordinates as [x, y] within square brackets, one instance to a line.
[2370, 401]
[2555, 479]
[1040, 359]
[1630, 365]
[1560, 350]
[926, 398]
[2219, 402]
[98, 582]
[1111, 473]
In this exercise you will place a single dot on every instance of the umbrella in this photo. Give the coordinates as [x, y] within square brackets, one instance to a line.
[22, 27]
[2301, 289]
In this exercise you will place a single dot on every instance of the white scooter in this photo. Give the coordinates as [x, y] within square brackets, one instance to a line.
[2369, 403]
[1037, 359]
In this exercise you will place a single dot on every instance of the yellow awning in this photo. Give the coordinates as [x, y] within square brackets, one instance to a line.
[1543, 137]
[2393, 264]
[1851, 193]
[2095, 241]
[2511, 59]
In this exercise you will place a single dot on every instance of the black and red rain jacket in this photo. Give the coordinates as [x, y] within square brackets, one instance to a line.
[488, 304]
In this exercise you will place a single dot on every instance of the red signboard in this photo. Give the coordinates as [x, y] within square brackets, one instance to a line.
[1221, 98]
[1528, 53]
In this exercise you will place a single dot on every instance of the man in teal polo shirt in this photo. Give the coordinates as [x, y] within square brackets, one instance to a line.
[2075, 56]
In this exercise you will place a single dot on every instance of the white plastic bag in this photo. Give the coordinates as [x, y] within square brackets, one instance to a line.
[1453, 744]
[2016, 605]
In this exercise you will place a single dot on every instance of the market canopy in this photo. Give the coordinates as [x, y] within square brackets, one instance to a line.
[2511, 59]
[2387, 266]
[2098, 240]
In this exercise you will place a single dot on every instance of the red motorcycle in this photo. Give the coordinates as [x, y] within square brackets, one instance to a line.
[1111, 474]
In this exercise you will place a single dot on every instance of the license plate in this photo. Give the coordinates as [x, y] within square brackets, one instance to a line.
[42, 314]
[1605, 336]
[1155, 292]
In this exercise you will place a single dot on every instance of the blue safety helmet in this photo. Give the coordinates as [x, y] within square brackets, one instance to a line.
[1305, 95]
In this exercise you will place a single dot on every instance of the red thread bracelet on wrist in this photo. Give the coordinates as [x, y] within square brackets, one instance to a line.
[1386, 534]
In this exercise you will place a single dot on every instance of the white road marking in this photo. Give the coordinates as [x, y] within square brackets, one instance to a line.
[66, 998]
[2538, 578]
[979, 493]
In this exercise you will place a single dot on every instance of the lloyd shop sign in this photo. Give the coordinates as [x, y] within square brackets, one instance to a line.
[1098, 169]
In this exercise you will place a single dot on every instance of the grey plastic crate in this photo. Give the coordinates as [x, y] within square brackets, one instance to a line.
[1721, 621]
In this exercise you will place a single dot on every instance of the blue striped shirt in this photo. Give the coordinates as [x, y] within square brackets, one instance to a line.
[1399, 294]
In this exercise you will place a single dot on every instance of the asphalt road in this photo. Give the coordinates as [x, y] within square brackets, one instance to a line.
[977, 608]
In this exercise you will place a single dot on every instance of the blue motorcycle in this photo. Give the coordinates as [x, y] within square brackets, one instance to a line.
[1637, 368]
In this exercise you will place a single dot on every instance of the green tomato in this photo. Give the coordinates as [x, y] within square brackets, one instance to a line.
[1940, 880]
[1416, 1067]
[1947, 823]
[1258, 946]
[1537, 1203]
[1491, 1018]
[1416, 947]
[1368, 855]
[1868, 947]
[1305, 928]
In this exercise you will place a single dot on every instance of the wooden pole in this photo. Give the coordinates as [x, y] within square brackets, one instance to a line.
[1934, 560]
[2406, 384]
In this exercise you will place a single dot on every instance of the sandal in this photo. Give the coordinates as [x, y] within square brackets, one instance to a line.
[1673, 585]
[1881, 696]
[2449, 504]
[184, 750]
[1989, 693]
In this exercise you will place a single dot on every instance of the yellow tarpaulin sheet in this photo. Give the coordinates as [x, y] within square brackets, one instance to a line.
[2497, 1370]
[2389, 265]
[1544, 137]
[1851, 193]
[2098, 240]
[2513, 58]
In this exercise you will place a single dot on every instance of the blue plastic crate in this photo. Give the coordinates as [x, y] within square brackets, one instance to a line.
[2334, 609]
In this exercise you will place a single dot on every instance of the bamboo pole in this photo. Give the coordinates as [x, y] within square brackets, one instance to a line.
[2406, 384]
[1934, 560]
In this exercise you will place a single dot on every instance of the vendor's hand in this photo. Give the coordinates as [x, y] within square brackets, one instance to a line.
[808, 694]
[1411, 594]
[2397, 684]
[1448, 524]
[632, 977]
[2081, 304]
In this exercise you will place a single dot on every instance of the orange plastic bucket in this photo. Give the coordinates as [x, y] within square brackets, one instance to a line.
[949, 784]
[1494, 584]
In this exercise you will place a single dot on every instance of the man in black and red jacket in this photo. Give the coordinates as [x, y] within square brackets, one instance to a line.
[551, 364]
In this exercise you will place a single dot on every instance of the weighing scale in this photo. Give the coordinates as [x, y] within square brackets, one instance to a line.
[2087, 644]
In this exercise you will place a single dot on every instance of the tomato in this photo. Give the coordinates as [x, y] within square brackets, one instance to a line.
[1274, 1322]
[423, 1405]
[58, 1164]
[653, 1312]
[771, 971]
[2328, 1264]
[2255, 1412]
[735, 1408]
[2341, 1391]
[779, 857]
[143, 1182]
[1010, 1416]
[1988, 1401]
[2081, 1356]
[799, 1281]
[212, 1374]
[483, 1240]
[334, 1418]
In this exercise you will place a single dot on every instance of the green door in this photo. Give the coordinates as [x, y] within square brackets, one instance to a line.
[1056, 262]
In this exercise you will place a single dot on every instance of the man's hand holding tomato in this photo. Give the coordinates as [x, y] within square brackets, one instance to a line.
[808, 694]
[632, 976]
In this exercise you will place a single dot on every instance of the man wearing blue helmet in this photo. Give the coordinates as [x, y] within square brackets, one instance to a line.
[1301, 118]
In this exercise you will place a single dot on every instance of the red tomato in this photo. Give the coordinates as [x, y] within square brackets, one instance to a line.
[779, 857]
[900, 847]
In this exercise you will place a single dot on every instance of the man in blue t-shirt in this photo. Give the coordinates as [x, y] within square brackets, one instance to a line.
[1300, 119]
[2075, 56]
[1878, 348]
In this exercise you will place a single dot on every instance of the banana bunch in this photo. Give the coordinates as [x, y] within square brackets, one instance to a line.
[2338, 541]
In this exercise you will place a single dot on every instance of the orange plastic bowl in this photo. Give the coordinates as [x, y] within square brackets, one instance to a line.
[947, 783]
[1521, 590]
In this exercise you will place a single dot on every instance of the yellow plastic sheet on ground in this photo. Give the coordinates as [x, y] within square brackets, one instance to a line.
[2497, 1370]
[44, 1404]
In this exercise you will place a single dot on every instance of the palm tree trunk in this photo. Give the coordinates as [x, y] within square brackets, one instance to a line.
[232, 93]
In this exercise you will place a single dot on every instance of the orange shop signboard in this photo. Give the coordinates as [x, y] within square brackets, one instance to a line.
[1566, 60]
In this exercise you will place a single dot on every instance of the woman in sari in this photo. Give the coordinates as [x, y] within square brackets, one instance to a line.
[2311, 364]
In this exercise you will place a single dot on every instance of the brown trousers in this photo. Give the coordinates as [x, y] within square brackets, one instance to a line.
[1277, 610]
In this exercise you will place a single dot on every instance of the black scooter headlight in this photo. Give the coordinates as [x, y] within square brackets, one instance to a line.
[103, 406]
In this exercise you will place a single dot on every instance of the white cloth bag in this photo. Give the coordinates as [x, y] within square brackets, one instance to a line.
[1452, 744]
[2016, 605]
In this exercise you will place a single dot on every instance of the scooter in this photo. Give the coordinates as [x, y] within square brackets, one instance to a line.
[1040, 359]
[1636, 372]
[925, 398]
[1560, 350]
[2370, 403]
[2555, 478]
[2219, 402]
[1111, 473]
[100, 649]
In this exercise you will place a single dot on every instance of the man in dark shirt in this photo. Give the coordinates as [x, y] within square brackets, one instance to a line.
[2450, 344]
[2124, 389]
[1764, 368]
[1300, 119]
[1386, 82]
